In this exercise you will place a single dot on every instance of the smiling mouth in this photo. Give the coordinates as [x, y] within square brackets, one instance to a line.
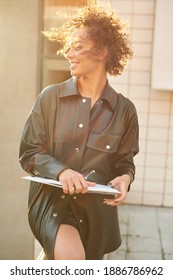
[73, 64]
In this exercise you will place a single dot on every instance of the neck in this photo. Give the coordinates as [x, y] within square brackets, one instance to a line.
[92, 87]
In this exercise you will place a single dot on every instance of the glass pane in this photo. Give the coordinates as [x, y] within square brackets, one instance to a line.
[55, 68]
[55, 13]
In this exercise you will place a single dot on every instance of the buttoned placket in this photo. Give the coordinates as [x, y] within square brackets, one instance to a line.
[55, 214]
[95, 111]
[77, 214]
[81, 128]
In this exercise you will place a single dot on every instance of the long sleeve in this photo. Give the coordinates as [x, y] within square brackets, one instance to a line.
[34, 155]
[128, 148]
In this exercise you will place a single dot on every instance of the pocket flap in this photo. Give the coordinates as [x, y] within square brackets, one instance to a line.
[104, 142]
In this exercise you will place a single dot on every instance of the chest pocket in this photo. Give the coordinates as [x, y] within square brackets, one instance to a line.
[104, 142]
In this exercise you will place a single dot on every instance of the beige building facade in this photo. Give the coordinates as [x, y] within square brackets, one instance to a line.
[28, 63]
[19, 40]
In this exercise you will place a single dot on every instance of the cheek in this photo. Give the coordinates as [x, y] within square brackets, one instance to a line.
[90, 56]
[85, 54]
[90, 60]
[88, 64]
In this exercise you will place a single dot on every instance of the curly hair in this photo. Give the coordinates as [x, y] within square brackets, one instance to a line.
[105, 29]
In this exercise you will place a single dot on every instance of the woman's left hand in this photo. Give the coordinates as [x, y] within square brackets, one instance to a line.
[121, 183]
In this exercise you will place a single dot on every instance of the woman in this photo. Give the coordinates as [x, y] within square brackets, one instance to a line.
[82, 127]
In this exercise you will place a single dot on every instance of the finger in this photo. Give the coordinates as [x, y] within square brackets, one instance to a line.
[64, 186]
[72, 190]
[121, 197]
[113, 183]
[85, 184]
[68, 186]
[109, 203]
[71, 187]
[91, 184]
[78, 185]
[109, 200]
[88, 184]
[112, 202]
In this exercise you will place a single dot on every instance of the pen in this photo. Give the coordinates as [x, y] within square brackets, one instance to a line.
[89, 174]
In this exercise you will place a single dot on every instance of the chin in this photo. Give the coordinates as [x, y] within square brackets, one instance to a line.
[75, 73]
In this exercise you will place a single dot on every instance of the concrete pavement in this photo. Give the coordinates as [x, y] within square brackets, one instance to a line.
[147, 233]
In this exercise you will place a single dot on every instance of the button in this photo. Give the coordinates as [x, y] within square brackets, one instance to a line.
[62, 196]
[80, 221]
[81, 125]
[108, 147]
[74, 197]
[83, 100]
[55, 215]
[77, 150]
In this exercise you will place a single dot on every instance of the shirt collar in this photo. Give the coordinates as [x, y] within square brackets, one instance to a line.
[69, 88]
[110, 95]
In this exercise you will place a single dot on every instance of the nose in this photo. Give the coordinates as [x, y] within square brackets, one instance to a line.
[70, 53]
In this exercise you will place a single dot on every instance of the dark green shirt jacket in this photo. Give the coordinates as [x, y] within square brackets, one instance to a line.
[62, 131]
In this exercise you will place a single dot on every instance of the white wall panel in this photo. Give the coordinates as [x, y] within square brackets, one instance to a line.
[162, 65]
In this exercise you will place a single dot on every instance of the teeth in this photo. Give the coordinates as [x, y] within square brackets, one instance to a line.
[73, 63]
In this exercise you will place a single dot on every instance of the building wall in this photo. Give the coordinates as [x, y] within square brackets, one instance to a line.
[19, 34]
[19, 23]
[154, 177]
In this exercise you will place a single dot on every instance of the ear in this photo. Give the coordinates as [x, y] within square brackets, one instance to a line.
[104, 53]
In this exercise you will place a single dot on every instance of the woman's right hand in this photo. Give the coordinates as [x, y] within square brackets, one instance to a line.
[74, 182]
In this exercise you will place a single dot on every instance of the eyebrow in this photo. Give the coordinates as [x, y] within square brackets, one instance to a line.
[77, 43]
[78, 40]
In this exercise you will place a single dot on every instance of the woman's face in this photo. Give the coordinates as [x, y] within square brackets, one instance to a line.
[83, 61]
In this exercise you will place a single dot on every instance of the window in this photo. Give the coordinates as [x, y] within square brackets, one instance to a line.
[55, 68]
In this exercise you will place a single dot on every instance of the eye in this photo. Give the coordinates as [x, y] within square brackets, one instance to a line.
[78, 48]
